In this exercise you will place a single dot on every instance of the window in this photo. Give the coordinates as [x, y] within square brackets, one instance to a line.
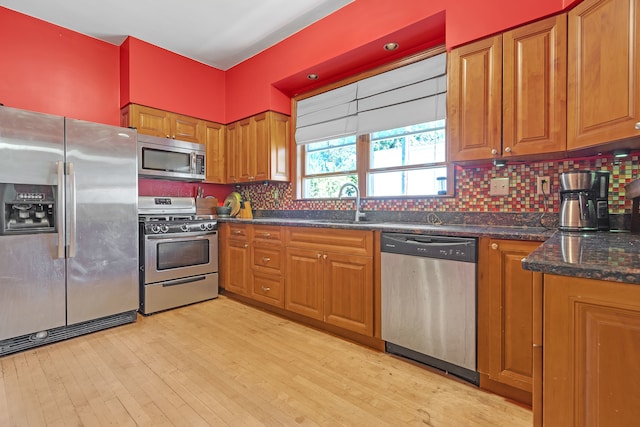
[407, 161]
[384, 133]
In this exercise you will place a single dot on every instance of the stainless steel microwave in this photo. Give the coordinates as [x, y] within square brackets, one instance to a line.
[164, 158]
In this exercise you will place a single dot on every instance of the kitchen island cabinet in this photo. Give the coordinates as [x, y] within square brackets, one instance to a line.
[506, 294]
[507, 93]
[604, 76]
[591, 343]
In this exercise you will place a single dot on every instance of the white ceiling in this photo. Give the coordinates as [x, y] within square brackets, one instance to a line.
[220, 33]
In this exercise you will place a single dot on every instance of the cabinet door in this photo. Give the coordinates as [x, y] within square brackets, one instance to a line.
[215, 142]
[348, 292]
[246, 138]
[150, 121]
[260, 148]
[186, 128]
[237, 276]
[474, 100]
[604, 75]
[233, 154]
[510, 319]
[303, 282]
[279, 146]
[591, 345]
[534, 88]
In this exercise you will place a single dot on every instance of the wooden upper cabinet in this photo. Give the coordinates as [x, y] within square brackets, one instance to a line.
[604, 75]
[507, 94]
[164, 124]
[474, 105]
[259, 149]
[534, 114]
[214, 138]
[233, 153]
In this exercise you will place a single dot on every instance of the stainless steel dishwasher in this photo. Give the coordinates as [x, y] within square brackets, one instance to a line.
[429, 300]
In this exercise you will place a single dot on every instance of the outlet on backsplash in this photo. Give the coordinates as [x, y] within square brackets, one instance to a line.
[543, 185]
[499, 187]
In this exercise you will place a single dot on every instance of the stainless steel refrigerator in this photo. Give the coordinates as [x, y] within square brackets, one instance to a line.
[68, 228]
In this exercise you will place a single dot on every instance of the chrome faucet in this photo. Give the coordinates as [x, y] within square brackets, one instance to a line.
[355, 187]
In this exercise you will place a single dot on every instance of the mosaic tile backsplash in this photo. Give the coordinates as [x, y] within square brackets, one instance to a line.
[472, 190]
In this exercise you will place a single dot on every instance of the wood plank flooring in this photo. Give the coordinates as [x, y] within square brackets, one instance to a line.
[221, 363]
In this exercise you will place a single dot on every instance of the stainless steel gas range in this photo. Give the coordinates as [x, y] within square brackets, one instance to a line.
[178, 254]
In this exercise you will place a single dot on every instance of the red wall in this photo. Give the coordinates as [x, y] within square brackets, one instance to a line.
[52, 70]
[158, 78]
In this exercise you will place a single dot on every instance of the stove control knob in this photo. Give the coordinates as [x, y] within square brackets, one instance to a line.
[155, 228]
[184, 227]
[203, 226]
[164, 228]
[210, 226]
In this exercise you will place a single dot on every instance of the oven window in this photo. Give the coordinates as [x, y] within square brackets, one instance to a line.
[182, 254]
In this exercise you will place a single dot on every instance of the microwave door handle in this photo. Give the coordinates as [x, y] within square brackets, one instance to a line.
[194, 159]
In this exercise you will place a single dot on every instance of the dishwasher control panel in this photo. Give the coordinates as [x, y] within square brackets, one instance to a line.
[441, 247]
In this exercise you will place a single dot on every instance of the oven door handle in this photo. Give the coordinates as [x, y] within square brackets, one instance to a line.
[180, 239]
[182, 281]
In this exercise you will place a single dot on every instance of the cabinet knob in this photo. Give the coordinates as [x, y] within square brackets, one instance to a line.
[319, 255]
[266, 289]
[638, 126]
[494, 151]
[246, 245]
[168, 136]
[494, 246]
[507, 150]
[324, 256]
[265, 259]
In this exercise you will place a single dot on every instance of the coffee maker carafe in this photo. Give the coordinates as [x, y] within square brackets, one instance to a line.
[578, 201]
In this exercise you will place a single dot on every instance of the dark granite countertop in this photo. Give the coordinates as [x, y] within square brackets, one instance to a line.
[600, 255]
[503, 232]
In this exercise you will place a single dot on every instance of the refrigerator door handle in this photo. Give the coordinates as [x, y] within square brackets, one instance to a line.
[72, 216]
[60, 217]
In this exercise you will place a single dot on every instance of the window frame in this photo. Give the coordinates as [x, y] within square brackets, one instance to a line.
[362, 141]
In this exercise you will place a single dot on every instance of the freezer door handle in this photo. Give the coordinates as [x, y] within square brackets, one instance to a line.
[60, 216]
[72, 216]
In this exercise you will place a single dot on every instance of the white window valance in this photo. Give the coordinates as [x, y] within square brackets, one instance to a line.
[408, 95]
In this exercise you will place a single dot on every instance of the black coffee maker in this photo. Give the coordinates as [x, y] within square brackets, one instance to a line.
[601, 191]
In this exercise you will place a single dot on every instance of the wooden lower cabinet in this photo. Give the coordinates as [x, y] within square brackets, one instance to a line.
[235, 257]
[591, 374]
[506, 295]
[329, 276]
[267, 265]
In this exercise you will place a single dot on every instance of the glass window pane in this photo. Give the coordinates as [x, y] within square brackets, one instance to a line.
[337, 155]
[326, 187]
[416, 182]
[411, 145]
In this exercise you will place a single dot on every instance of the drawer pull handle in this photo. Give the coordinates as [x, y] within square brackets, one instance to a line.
[265, 259]
[266, 234]
[237, 232]
[266, 289]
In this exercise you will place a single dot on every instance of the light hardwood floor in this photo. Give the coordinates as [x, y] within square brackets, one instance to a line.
[221, 363]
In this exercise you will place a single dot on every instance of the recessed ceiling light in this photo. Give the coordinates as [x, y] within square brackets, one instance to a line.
[391, 46]
[313, 76]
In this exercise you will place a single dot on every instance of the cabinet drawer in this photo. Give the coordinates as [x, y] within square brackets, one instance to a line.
[238, 231]
[266, 258]
[268, 288]
[352, 242]
[267, 232]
